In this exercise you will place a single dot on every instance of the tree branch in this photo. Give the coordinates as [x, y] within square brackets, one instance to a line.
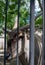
[38, 15]
[40, 4]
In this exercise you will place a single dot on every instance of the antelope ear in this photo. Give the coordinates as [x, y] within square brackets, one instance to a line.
[15, 24]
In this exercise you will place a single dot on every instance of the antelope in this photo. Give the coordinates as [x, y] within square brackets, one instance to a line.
[23, 48]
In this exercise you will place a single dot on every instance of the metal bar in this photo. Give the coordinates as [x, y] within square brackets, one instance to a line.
[18, 31]
[32, 29]
[6, 8]
[43, 55]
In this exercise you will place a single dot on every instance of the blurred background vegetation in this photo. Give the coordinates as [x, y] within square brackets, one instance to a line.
[24, 13]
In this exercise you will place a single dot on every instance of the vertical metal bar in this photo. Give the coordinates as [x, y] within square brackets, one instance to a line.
[43, 56]
[18, 31]
[32, 29]
[6, 8]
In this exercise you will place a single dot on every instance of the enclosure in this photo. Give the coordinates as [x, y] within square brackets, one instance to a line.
[22, 32]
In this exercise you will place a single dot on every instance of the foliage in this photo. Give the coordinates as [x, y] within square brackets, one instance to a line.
[38, 21]
[13, 12]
